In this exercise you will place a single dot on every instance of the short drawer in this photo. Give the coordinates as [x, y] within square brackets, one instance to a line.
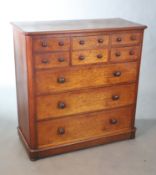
[75, 102]
[41, 44]
[125, 54]
[81, 127]
[89, 56]
[50, 60]
[49, 81]
[87, 42]
[126, 38]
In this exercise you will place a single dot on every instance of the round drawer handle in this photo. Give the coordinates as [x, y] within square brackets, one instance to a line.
[61, 105]
[118, 39]
[133, 37]
[44, 44]
[100, 40]
[81, 57]
[131, 52]
[113, 121]
[61, 80]
[117, 74]
[99, 56]
[61, 59]
[61, 131]
[118, 54]
[61, 43]
[45, 61]
[115, 97]
[81, 42]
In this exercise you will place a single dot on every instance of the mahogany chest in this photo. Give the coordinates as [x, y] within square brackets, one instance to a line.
[77, 83]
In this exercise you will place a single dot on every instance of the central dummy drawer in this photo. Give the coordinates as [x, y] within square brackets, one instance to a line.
[49, 81]
[74, 102]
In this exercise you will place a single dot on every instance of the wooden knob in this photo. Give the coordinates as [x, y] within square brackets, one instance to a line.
[81, 57]
[45, 61]
[118, 54]
[119, 39]
[61, 59]
[117, 74]
[61, 80]
[113, 121]
[61, 43]
[61, 105]
[99, 56]
[131, 52]
[81, 42]
[100, 40]
[44, 44]
[133, 37]
[61, 131]
[115, 97]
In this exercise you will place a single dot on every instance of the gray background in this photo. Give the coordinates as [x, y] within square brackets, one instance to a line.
[141, 11]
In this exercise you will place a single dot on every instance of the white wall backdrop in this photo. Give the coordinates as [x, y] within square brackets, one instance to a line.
[141, 11]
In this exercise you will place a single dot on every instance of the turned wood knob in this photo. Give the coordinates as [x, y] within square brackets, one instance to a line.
[131, 52]
[100, 40]
[113, 121]
[81, 42]
[45, 61]
[44, 44]
[99, 56]
[133, 37]
[81, 57]
[61, 131]
[119, 39]
[117, 74]
[61, 59]
[61, 80]
[115, 97]
[118, 54]
[61, 43]
[61, 105]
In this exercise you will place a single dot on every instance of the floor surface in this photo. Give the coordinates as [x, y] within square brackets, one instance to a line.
[131, 157]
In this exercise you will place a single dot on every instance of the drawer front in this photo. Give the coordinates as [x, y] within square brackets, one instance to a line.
[50, 60]
[125, 54]
[89, 56]
[88, 76]
[75, 102]
[81, 127]
[42, 44]
[127, 38]
[88, 42]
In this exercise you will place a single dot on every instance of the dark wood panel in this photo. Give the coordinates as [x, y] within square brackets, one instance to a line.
[21, 84]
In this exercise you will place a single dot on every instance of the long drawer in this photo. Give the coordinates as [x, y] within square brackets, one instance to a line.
[49, 81]
[74, 102]
[81, 127]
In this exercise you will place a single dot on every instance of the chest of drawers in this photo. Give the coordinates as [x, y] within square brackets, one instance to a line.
[77, 83]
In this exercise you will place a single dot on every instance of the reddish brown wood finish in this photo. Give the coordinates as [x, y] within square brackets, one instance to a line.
[51, 60]
[77, 83]
[84, 101]
[86, 77]
[82, 127]
[90, 42]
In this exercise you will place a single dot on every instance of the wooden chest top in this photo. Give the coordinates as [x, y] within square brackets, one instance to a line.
[68, 26]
